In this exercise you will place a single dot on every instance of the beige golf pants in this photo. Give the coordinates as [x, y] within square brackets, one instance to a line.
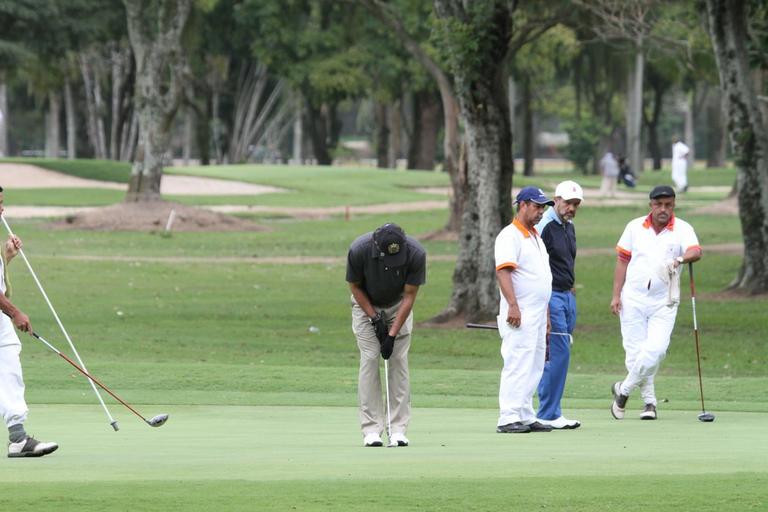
[373, 413]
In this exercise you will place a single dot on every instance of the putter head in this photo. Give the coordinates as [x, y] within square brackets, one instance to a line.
[158, 421]
[706, 417]
[390, 444]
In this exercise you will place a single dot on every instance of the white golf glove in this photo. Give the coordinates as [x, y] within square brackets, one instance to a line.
[673, 283]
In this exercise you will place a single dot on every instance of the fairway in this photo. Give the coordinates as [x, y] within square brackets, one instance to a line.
[250, 351]
[281, 458]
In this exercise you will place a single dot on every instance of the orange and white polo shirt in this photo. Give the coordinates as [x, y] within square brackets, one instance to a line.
[525, 253]
[646, 251]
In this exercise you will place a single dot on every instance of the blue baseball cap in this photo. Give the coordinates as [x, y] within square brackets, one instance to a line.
[534, 194]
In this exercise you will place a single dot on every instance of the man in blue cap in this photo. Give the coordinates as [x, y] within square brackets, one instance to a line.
[525, 285]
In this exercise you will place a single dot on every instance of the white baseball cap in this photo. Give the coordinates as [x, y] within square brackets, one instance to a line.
[569, 190]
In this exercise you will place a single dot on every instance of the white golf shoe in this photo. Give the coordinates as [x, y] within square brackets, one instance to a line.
[619, 404]
[372, 439]
[561, 423]
[31, 447]
[399, 439]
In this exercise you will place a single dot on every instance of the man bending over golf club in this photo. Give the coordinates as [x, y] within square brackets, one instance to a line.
[646, 293]
[12, 404]
[384, 271]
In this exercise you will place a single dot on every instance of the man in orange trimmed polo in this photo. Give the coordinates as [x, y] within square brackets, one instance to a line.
[646, 292]
[525, 285]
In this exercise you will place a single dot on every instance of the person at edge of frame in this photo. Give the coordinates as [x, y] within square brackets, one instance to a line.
[385, 269]
[12, 404]
[646, 293]
[559, 237]
[525, 286]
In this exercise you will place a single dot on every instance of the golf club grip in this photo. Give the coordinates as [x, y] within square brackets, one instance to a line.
[690, 275]
[480, 326]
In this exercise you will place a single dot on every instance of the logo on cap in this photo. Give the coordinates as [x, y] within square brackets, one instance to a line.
[393, 248]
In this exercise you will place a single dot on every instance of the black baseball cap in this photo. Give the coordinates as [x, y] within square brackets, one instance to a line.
[392, 244]
[662, 191]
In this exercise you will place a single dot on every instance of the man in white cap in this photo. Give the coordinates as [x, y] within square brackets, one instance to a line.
[559, 236]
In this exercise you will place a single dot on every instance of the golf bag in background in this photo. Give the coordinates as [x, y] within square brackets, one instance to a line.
[628, 180]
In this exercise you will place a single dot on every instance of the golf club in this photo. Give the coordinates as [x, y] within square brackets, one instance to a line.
[390, 444]
[704, 416]
[156, 421]
[493, 327]
[112, 421]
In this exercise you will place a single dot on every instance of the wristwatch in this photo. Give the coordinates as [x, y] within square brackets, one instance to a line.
[679, 259]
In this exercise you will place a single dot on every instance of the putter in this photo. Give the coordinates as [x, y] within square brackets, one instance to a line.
[493, 327]
[156, 421]
[390, 444]
[112, 421]
[705, 416]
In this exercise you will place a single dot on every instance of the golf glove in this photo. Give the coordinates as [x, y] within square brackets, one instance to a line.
[387, 346]
[380, 327]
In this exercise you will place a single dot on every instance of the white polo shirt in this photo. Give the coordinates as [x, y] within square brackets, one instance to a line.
[647, 251]
[525, 253]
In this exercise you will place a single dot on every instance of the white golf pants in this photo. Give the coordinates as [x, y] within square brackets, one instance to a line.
[523, 350]
[646, 328]
[372, 409]
[12, 404]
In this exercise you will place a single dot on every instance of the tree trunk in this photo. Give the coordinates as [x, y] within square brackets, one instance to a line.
[635, 109]
[717, 135]
[481, 89]
[317, 124]
[395, 134]
[52, 137]
[728, 27]
[155, 32]
[382, 134]
[121, 72]
[69, 113]
[189, 135]
[93, 103]
[426, 125]
[3, 116]
[652, 123]
[689, 134]
[298, 133]
[529, 140]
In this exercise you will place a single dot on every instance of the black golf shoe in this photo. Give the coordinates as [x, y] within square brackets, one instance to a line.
[31, 447]
[648, 412]
[513, 428]
[539, 427]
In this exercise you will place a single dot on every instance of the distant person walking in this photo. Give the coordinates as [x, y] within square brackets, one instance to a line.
[680, 165]
[525, 285]
[646, 293]
[13, 406]
[559, 236]
[384, 271]
[609, 169]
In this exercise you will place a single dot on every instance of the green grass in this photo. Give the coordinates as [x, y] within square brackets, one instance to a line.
[306, 458]
[263, 410]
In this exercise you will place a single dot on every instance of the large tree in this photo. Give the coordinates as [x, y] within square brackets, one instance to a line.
[740, 51]
[155, 29]
[475, 40]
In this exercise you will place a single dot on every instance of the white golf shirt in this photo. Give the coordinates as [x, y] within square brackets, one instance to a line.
[8, 334]
[525, 253]
[647, 251]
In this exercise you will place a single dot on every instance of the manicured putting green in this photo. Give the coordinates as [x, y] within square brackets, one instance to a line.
[311, 458]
